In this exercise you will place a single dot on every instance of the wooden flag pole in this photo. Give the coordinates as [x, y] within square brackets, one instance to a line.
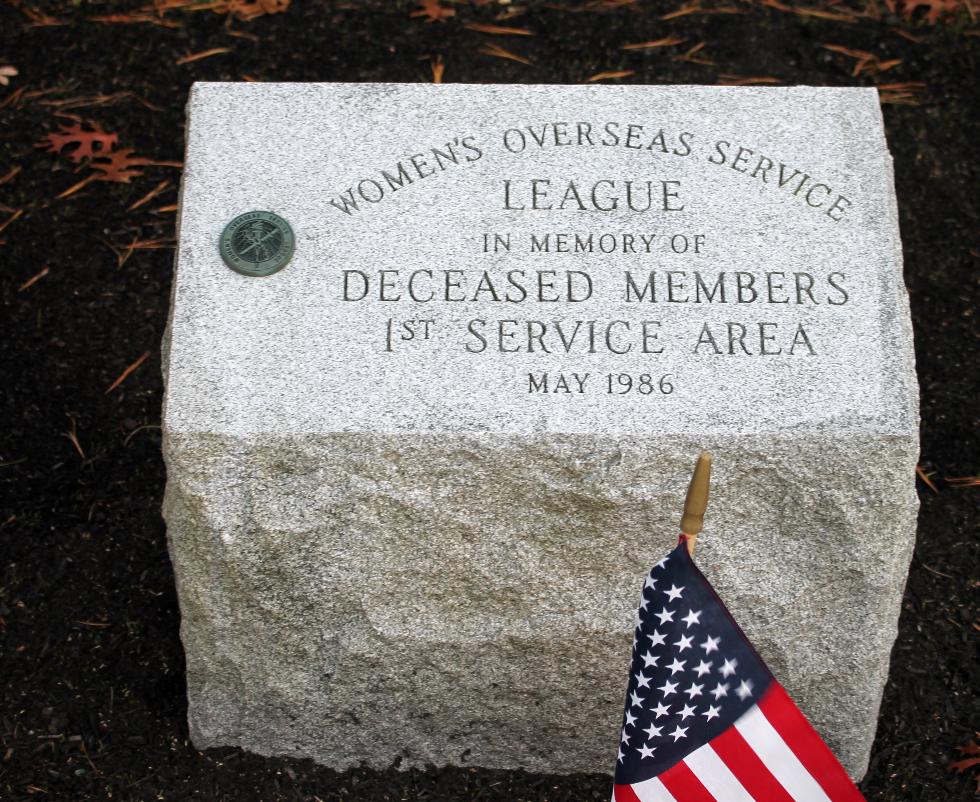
[692, 522]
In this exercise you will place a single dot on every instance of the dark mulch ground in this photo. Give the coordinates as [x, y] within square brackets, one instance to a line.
[91, 667]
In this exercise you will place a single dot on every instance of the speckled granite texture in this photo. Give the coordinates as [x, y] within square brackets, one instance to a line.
[392, 549]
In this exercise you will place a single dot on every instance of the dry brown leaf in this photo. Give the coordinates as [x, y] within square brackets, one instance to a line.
[972, 749]
[119, 165]
[78, 144]
[935, 9]
[433, 11]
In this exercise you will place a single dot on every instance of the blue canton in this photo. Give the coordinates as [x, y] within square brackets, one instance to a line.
[693, 672]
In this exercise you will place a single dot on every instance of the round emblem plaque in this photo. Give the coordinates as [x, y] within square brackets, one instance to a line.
[257, 244]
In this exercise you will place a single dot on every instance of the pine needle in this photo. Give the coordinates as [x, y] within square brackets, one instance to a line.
[438, 65]
[33, 280]
[925, 478]
[151, 194]
[126, 373]
[610, 74]
[491, 49]
[11, 219]
[214, 51]
[667, 41]
[499, 30]
[10, 175]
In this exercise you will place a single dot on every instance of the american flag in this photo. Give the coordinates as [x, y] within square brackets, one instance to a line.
[705, 721]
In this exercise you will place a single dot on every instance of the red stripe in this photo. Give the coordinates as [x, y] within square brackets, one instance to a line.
[684, 786]
[745, 764]
[624, 793]
[811, 751]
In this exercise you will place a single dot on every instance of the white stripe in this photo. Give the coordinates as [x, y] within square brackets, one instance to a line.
[652, 790]
[772, 750]
[716, 776]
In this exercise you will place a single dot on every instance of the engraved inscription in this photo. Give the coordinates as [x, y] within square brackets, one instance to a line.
[618, 249]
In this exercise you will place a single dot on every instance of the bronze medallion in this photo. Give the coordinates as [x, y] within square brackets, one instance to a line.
[257, 244]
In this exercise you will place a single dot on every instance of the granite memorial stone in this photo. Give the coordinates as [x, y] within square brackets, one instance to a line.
[416, 476]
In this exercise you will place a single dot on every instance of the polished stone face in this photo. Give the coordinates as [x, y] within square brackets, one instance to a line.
[417, 475]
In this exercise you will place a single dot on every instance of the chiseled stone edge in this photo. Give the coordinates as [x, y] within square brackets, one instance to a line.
[846, 715]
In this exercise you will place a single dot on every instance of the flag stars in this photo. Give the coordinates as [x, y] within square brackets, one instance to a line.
[678, 733]
[693, 617]
[677, 665]
[680, 641]
[674, 592]
[656, 639]
[665, 615]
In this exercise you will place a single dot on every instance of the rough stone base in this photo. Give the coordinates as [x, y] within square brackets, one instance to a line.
[469, 599]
